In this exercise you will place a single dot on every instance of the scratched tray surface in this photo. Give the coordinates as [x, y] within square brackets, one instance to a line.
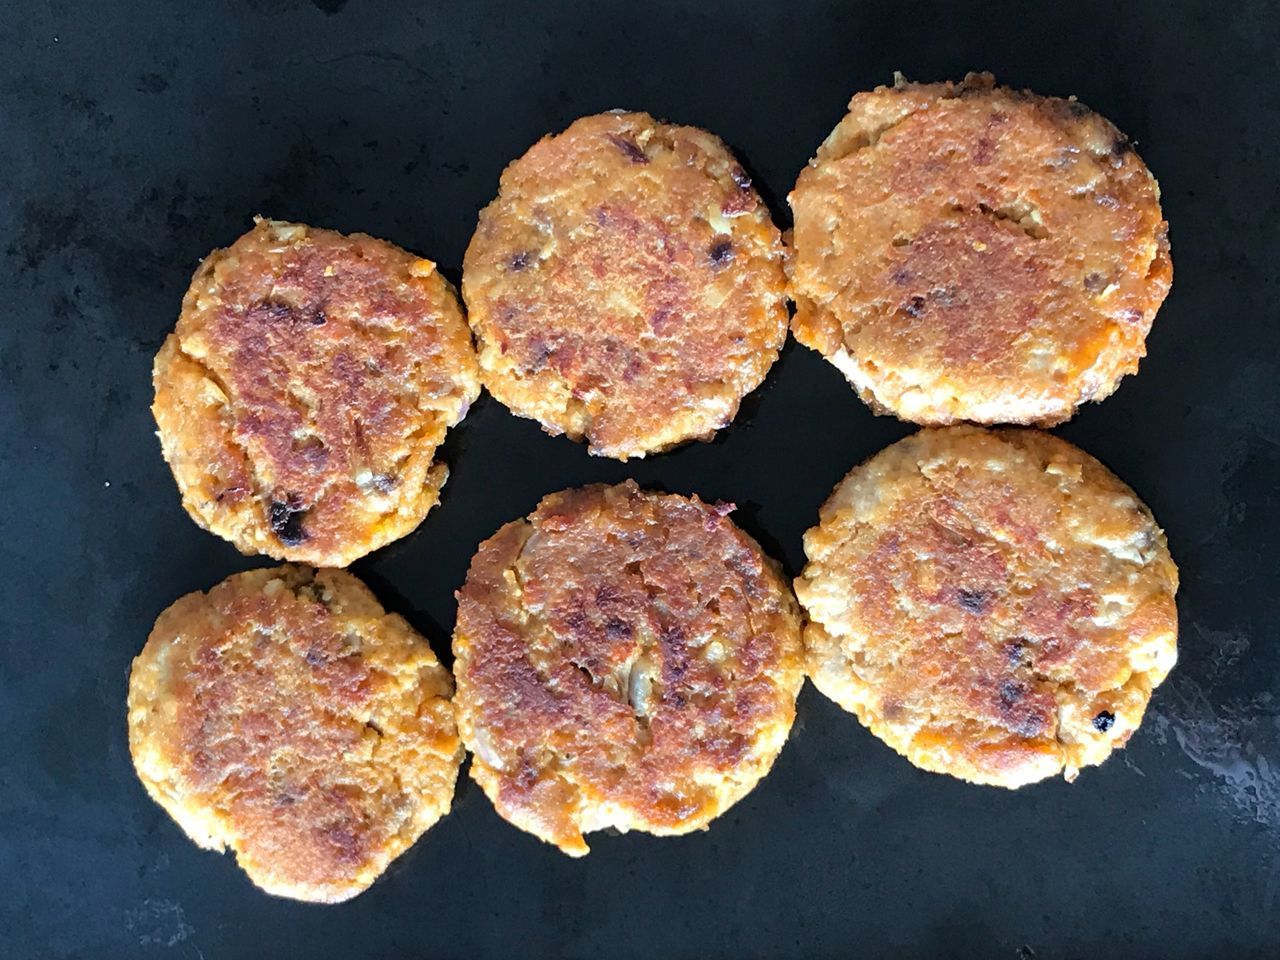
[134, 137]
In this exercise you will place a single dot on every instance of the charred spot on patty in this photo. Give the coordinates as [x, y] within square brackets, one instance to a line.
[1104, 721]
[285, 517]
[1076, 109]
[628, 147]
[974, 601]
[721, 252]
[280, 311]
[1121, 145]
[617, 629]
[1011, 691]
[1015, 651]
[271, 311]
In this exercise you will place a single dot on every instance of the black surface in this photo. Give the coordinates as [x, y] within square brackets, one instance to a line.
[135, 136]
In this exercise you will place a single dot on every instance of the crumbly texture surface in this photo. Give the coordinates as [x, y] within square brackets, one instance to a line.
[284, 715]
[968, 252]
[626, 286]
[624, 659]
[303, 394]
[993, 605]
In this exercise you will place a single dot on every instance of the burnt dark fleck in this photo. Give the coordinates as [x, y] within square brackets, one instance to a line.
[277, 311]
[915, 306]
[661, 320]
[1014, 651]
[1121, 145]
[315, 657]
[1094, 282]
[1011, 691]
[271, 311]
[616, 629]
[740, 177]
[721, 252]
[974, 601]
[1104, 721]
[527, 776]
[520, 260]
[943, 296]
[286, 521]
[629, 148]
[539, 353]
[385, 482]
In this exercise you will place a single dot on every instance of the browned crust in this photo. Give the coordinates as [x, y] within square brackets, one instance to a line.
[302, 396]
[994, 605]
[968, 252]
[286, 716]
[626, 285]
[624, 659]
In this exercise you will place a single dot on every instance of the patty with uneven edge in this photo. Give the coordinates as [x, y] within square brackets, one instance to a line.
[305, 390]
[626, 286]
[967, 252]
[995, 605]
[284, 715]
[625, 660]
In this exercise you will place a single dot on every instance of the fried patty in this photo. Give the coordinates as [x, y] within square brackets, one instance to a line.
[993, 605]
[624, 659]
[284, 715]
[968, 252]
[305, 390]
[626, 285]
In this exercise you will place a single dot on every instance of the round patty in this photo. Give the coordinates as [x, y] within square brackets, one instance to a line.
[626, 286]
[624, 659]
[993, 605]
[286, 716]
[303, 394]
[967, 252]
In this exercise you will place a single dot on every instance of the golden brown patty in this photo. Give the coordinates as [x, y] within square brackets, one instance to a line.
[624, 659]
[993, 605]
[626, 285]
[304, 392]
[286, 716]
[967, 252]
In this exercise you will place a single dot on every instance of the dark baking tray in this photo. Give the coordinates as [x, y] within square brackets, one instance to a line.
[135, 136]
